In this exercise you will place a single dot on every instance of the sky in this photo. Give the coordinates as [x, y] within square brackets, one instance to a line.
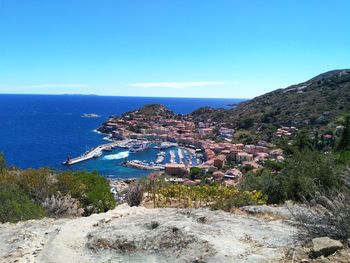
[169, 48]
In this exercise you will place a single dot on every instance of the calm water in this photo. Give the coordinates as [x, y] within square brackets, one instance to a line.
[42, 130]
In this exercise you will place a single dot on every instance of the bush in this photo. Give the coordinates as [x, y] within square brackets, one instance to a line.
[16, 206]
[62, 194]
[196, 173]
[68, 183]
[329, 213]
[242, 198]
[134, 195]
[304, 174]
[62, 206]
[307, 172]
[97, 196]
[215, 196]
[272, 185]
[330, 217]
[37, 184]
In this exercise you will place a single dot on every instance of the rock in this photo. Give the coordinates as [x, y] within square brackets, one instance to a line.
[325, 246]
[138, 234]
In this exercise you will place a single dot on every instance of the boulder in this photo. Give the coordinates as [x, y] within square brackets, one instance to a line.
[325, 246]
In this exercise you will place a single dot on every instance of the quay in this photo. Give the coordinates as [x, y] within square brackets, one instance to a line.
[144, 166]
[95, 152]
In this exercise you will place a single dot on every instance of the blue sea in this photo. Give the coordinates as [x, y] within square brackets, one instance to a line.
[42, 130]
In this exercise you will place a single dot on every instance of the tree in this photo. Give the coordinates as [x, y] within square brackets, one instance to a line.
[2, 163]
[303, 141]
[195, 173]
[344, 143]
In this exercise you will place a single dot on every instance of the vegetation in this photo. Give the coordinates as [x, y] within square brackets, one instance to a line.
[150, 111]
[217, 196]
[344, 143]
[96, 196]
[62, 206]
[134, 195]
[31, 194]
[316, 103]
[15, 205]
[332, 218]
[311, 166]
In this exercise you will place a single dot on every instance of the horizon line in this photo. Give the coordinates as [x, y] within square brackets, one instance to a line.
[128, 96]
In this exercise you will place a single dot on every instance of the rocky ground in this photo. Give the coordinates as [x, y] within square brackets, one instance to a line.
[139, 234]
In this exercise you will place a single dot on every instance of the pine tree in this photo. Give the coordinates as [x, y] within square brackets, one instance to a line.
[344, 143]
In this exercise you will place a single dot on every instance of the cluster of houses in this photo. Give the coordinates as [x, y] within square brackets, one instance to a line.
[199, 136]
[285, 131]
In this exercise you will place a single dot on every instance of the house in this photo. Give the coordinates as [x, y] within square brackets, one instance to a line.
[203, 132]
[218, 175]
[219, 161]
[243, 156]
[226, 132]
[176, 169]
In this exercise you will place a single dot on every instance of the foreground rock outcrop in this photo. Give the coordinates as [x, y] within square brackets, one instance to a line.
[148, 235]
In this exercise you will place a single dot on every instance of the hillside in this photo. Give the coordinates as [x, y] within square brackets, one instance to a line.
[317, 102]
[151, 111]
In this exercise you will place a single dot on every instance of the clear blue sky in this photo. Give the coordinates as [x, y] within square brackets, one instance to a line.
[178, 48]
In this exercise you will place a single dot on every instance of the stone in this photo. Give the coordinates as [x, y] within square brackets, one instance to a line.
[325, 246]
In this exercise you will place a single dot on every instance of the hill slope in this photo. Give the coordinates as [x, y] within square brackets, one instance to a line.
[316, 102]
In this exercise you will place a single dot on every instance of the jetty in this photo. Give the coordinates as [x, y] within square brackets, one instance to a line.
[143, 165]
[95, 152]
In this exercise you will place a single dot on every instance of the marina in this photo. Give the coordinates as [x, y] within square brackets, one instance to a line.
[142, 155]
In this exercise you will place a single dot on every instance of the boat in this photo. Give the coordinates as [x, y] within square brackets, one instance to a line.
[90, 115]
[160, 157]
[138, 147]
[164, 145]
[108, 149]
[97, 154]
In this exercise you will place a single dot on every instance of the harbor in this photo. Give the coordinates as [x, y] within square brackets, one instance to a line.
[138, 154]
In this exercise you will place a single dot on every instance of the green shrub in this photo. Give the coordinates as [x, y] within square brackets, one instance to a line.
[37, 184]
[97, 196]
[68, 183]
[304, 173]
[272, 185]
[309, 171]
[16, 206]
[196, 173]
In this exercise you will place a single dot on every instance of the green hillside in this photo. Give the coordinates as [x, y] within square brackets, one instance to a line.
[316, 103]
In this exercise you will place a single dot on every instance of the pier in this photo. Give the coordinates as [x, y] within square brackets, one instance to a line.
[95, 152]
[144, 166]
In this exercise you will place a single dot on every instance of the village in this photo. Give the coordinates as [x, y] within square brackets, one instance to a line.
[210, 141]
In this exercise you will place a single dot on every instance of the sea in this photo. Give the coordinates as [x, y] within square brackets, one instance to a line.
[42, 130]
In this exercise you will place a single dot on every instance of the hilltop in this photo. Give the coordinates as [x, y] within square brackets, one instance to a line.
[151, 110]
[317, 102]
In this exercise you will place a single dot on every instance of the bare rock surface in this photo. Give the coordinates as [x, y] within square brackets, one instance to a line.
[139, 234]
[324, 246]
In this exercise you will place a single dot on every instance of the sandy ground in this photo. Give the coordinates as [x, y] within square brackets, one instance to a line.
[139, 234]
